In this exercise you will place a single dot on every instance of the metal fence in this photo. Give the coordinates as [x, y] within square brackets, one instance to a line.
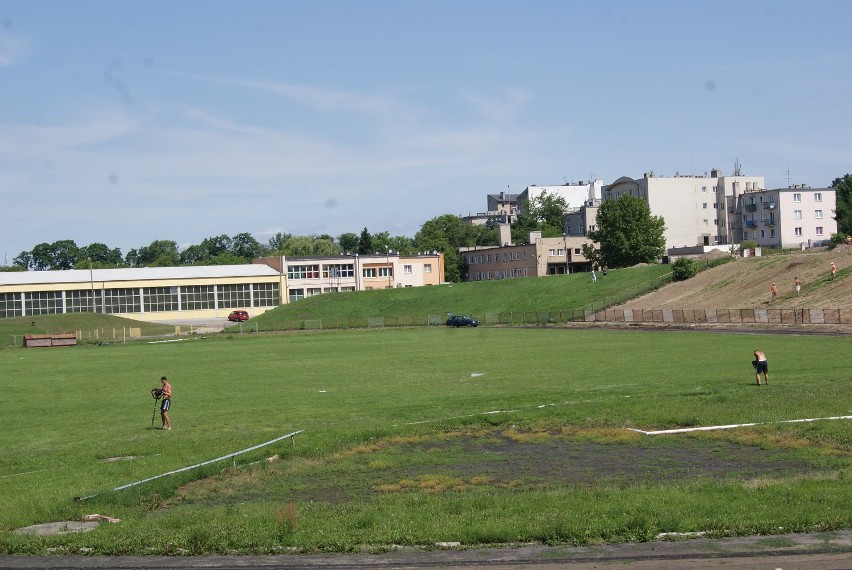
[722, 316]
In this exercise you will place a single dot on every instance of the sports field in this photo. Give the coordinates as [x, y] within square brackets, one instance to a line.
[424, 435]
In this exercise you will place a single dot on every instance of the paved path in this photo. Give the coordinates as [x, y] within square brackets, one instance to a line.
[823, 551]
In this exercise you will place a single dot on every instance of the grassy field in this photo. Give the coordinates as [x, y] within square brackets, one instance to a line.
[92, 327]
[409, 436]
[508, 301]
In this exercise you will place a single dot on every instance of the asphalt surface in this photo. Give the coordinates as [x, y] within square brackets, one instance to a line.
[823, 551]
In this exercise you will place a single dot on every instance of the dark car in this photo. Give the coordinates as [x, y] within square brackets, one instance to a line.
[238, 316]
[460, 321]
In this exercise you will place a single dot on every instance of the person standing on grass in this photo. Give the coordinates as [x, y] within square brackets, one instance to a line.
[798, 286]
[166, 404]
[594, 277]
[833, 270]
[773, 290]
[761, 366]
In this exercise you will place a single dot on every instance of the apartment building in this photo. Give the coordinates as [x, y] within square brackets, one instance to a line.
[542, 256]
[575, 194]
[502, 208]
[699, 210]
[797, 216]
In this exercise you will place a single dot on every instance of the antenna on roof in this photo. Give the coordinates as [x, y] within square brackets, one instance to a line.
[737, 167]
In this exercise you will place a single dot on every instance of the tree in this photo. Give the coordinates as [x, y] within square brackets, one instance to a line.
[161, 253]
[447, 234]
[365, 243]
[276, 242]
[100, 256]
[627, 233]
[245, 246]
[843, 210]
[348, 242]
[542, 213]
[684, 268]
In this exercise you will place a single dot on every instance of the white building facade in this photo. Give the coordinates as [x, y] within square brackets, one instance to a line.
[792, 217]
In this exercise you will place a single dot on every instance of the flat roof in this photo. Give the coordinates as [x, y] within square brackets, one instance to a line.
[135, 274]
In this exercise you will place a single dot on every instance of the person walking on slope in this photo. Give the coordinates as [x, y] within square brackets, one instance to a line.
[833, 270]
[760, 366]
[773, 290]
[798, 286]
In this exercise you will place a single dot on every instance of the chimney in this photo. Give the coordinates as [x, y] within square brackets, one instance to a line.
[504, 232]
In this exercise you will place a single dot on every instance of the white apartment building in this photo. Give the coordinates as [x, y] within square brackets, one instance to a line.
[788, 217]
[698, 210]
[576, 194]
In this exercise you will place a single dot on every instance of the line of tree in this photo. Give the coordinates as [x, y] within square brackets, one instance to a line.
[446, 234]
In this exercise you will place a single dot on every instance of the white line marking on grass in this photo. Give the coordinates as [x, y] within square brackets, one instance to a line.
[732, 426]
[161, 341]
[240, 452]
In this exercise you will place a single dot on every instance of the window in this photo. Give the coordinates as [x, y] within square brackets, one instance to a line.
[578, 250]
[296, 294]
[10, 305]
[798, 231]
[303, 272]
[348, 288]
[385, 271]
[121, 301]
[797, 197]
[427, 268]
[196, 297]
[370, 272]
[79, 301]
[266, 295]
[817, 196]
[408, 270]
[43, 303]
[160, 299]
[818, 214]
[311, 291]
[703, 189]
[762, 233]
[338, 271]
[234, 296]
[705, 205]
[797, 214]
[329, 290]
[819, 230]
[771, 233]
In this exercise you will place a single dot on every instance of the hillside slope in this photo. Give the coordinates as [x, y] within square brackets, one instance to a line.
[745, 283]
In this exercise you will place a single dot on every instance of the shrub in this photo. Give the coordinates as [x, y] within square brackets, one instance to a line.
[748, 244]
[684, 268]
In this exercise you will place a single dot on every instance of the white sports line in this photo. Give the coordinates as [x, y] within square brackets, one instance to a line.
[731, 426]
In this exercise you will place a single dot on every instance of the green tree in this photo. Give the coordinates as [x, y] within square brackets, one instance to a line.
[245, 246]
[627, 233]
[100, 255]
[365, 243]
[542, 213]
[161, 253]
[843, 209]
[276, 242]
[348, 242]
[447, 234]
[62, 254]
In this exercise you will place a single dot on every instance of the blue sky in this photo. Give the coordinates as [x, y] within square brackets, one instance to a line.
[122, 122]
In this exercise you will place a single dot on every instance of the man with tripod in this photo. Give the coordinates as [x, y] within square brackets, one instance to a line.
[166, 403]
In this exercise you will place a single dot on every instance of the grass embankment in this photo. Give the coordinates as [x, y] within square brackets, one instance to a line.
[379, 409]
[510, 301]
[92, 326]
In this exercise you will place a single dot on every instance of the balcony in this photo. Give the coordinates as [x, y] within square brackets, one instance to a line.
[769, 205]
[751, 224]
[750, 207]
[769, 222]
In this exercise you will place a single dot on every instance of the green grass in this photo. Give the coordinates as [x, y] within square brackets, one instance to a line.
[505, 301]
[359, 394]
[94, 327]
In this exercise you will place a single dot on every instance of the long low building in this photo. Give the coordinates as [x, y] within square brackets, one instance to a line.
[211, 291]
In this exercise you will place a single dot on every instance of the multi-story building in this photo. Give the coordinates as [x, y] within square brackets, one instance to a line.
[580, 221]
[309, 276]
[698, 210]
[797, 216]
[502, 208]
[542, 256]
[192, 292]
[576, 194]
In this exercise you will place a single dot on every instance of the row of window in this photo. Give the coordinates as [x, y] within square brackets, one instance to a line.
[297, 293]
[504, 274]
[507, 256]
[345, 270]
[140, 300]
[798, 232]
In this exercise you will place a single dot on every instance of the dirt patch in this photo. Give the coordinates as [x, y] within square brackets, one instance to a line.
[744, 283]
[463, 463]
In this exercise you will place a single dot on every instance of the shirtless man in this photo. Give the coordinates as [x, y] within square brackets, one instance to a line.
[798, 286]
[833, 270]
[167, 403]
[760, 365]
[773, 290]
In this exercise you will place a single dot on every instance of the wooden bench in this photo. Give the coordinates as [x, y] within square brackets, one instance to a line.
[50, 340]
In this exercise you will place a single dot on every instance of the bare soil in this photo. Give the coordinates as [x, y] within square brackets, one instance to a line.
[745, 282]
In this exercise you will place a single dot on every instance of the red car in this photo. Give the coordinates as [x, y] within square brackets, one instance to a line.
[238, 316]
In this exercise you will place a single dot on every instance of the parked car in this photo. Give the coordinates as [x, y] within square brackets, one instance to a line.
[460, 321]
[238, 316]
